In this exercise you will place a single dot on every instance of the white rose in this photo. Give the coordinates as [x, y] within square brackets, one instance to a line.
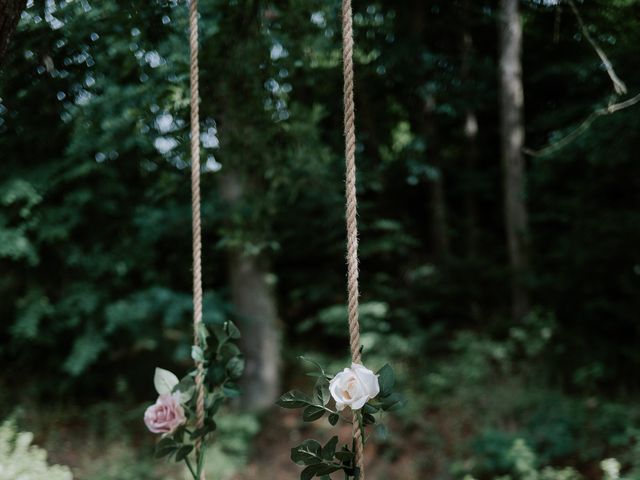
[353, 387]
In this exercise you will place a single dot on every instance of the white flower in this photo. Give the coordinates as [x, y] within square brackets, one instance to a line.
[353, 387]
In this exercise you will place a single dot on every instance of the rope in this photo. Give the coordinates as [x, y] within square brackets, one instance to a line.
[351, 210]
[196, 223]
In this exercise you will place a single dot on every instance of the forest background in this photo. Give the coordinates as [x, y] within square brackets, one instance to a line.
[500, 268]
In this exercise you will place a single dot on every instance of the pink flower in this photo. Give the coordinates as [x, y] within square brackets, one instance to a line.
[166, 415]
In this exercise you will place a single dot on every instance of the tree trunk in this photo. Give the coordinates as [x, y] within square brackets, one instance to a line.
[470, 158]
[470, 133]
[255, 303]
[10, 11]
[426, 124]
[512, 127]
[439, 229]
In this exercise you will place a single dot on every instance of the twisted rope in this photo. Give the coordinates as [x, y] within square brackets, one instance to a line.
[196, 223]
[351, 210]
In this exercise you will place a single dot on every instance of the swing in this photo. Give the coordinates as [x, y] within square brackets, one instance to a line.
[351, 211]
[364, 391]
[199, 394]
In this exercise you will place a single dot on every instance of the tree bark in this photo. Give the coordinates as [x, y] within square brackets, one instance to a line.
[439, 228]
[512, 129]
[470, 158]
[470, 132]
[427, 127]
[256, 305]
[10, 11]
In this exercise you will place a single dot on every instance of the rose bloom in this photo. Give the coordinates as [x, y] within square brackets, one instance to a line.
[166, 415]
[353, 387]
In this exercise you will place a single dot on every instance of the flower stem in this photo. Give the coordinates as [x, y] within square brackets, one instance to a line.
[200, 460]
[193, 472]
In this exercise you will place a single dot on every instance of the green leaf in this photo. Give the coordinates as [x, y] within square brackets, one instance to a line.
[197, 354]
[326, 469]
[203, 333]
[228, 351]
[220, 332]
[393, 402]
[307, 453]
[166, 446]
[313, 413]
[182, 452]
[178, 434]
[235, 367]
[216, 373]
[368, 408]
[321, 391]
[329, 449]
[186, 389]
[315, 364]
[333, 418]
[320, 469]
[166, 441]
[345, 456]
[294, 399]
[231, 390]
[214, 401]
[368, 419]
[164, 381]
[232, 330]
[208, 427]
[309, 472]
[386, 380]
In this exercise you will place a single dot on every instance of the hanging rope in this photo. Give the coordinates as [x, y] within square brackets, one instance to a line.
[196, 224]
[351, 209]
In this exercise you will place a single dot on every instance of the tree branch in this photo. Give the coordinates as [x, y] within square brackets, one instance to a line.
[583, 127]
[618, 85]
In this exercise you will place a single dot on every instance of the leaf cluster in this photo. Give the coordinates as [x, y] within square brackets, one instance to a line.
[320, 460]
[223, 365]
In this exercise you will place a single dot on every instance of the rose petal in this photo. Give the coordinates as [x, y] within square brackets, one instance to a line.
[165, 416]
[359, 403]
[368, 379]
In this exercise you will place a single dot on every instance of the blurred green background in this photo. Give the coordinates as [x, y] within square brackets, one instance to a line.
[95, 235]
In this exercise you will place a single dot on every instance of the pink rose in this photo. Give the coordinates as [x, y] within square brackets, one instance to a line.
[165, 415]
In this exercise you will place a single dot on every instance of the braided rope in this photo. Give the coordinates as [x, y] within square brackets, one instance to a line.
[196, 222]
[351, 210]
